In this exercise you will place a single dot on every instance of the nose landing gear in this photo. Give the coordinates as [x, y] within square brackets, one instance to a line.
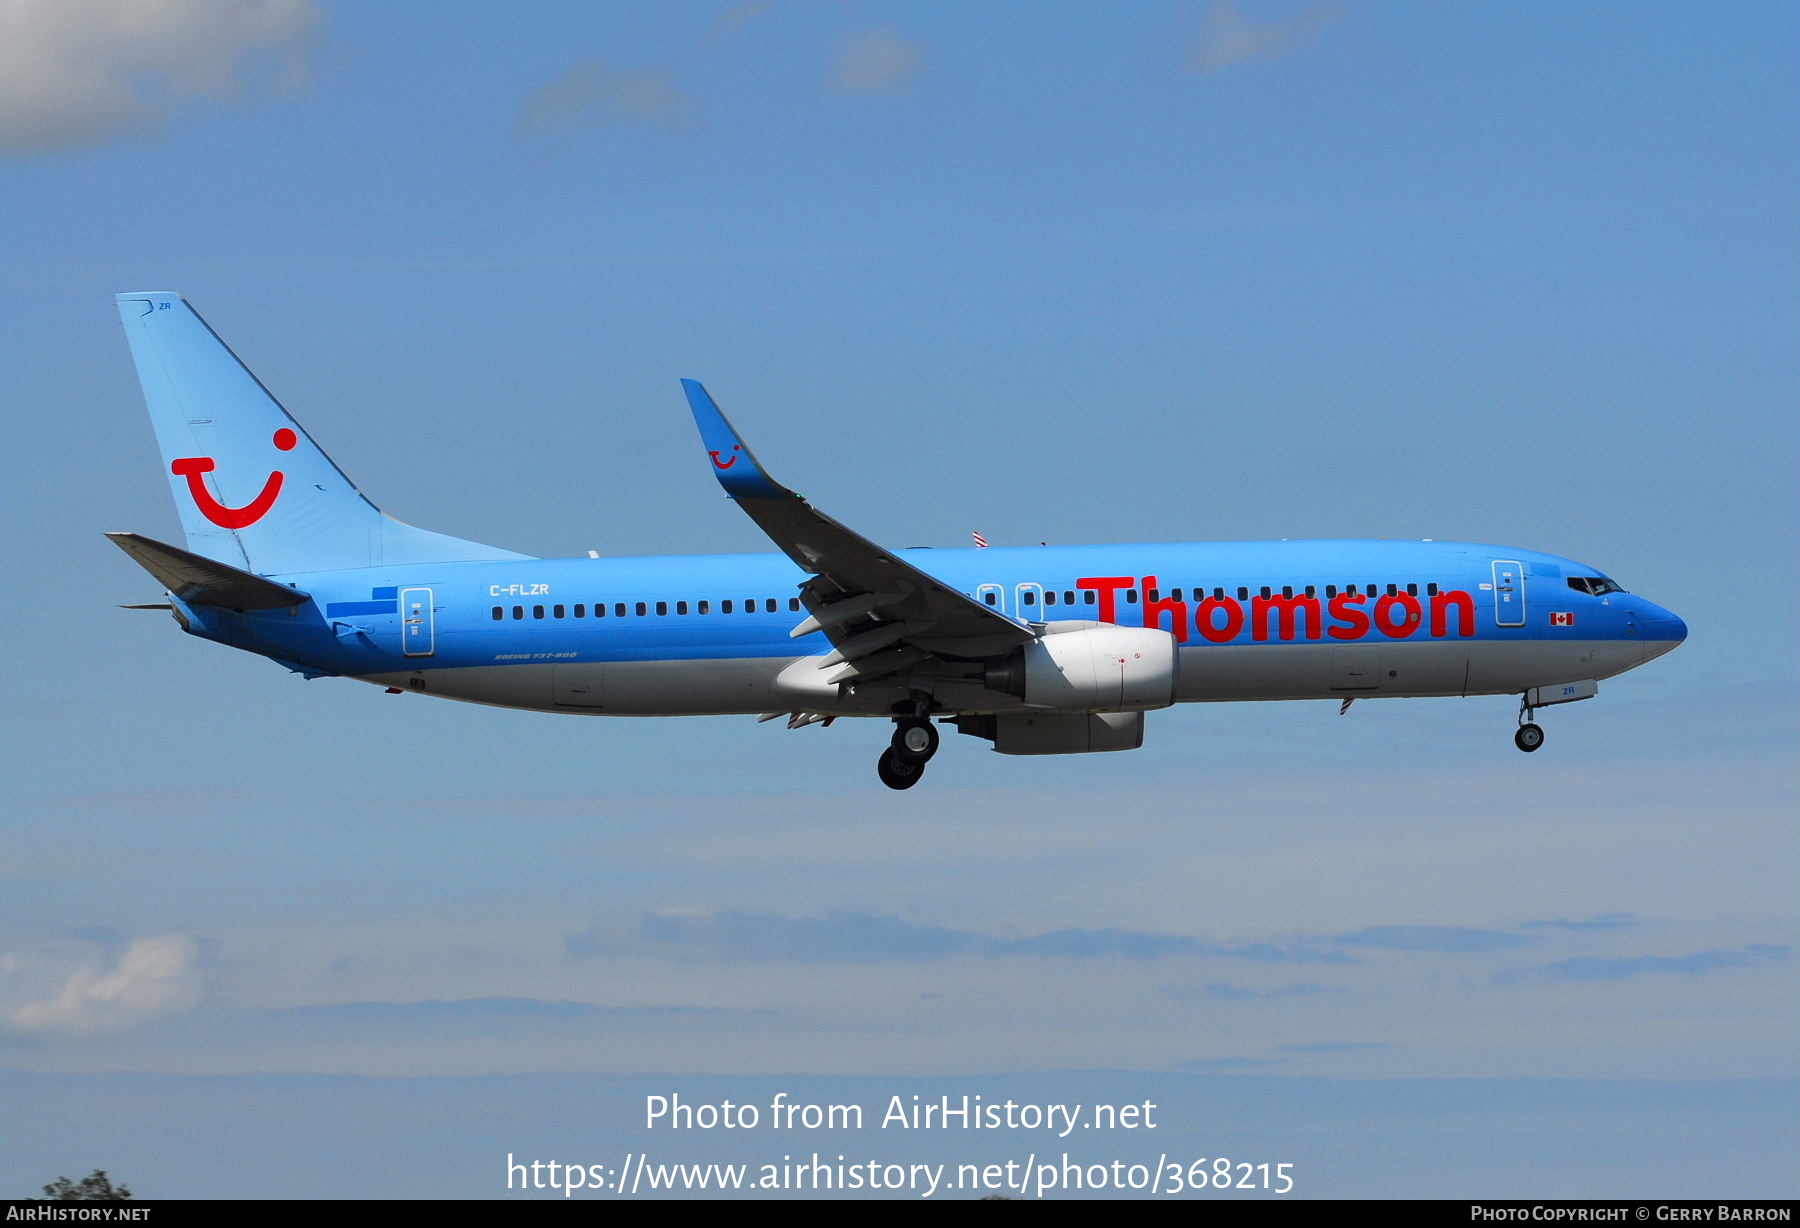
[903, 762]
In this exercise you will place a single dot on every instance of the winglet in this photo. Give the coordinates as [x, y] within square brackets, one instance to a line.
[732, 461]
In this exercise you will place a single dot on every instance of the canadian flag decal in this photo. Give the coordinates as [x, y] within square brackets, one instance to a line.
[1562, 618]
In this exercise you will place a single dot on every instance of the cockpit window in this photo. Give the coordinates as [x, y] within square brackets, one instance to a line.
[1598, 586]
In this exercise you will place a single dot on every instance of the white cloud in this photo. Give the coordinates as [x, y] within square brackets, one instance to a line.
[593, 89]
[151, 977]
[76, 72]
[1228, 37]
[877, 61]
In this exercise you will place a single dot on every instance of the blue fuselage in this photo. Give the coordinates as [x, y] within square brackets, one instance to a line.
[709, 633]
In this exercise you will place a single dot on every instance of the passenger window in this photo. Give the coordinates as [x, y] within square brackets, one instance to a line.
[793, 605]
[1412, 590]
[1131, 596]
[1050, 596]
[537, 611]
[662, 608]
[988, 596]
[725, 606]
[1088, 597]
[1287, 590]
[1151, 594]
[619, 610]
[581, 609]
[706, 607]
[1068, 596]
[1028, 598]
[1431, 590]
[681, 607]
[1330, 590]
[559, 611]
[499, 613]
[518, 611]
[769, 605]
[642, 609]
[1265, 591]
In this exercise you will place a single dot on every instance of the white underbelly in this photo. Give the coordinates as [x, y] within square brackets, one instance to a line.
[1224, 672]
[1208, 673]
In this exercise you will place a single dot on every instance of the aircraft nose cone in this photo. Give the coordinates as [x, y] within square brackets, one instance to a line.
[1663, 630]
[1663, 625]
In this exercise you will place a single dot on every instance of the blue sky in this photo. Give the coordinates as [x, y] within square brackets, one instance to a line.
[1060, 272]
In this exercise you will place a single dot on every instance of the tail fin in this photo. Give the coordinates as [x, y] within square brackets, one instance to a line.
[254, 491]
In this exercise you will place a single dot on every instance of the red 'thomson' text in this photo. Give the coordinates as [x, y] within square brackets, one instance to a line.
[1350, 615]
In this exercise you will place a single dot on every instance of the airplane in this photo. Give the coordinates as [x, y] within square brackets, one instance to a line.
[1043, 650]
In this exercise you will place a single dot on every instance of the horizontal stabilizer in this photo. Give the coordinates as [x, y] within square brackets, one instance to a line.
[198, 580]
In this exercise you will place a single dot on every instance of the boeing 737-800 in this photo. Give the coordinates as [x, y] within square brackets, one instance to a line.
[1038, 651]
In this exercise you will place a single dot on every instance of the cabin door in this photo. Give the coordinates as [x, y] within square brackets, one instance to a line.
[418, 623]
[1509, 593]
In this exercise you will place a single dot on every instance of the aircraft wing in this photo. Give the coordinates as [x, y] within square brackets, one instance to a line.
[880, 612]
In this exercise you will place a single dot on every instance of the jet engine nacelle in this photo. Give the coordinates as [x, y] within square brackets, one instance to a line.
[1091, 667]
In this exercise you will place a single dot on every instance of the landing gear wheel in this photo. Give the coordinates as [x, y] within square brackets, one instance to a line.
[1529, 738]
[916, 740]
[897, 771]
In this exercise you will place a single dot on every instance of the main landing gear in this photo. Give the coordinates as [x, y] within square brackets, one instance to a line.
[903, 762]
[1530, 735]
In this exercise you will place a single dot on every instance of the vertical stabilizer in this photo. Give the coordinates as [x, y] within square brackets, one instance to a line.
[254, 491]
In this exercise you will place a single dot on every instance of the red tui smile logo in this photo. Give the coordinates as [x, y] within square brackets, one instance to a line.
[194, 468]
[726, 464]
